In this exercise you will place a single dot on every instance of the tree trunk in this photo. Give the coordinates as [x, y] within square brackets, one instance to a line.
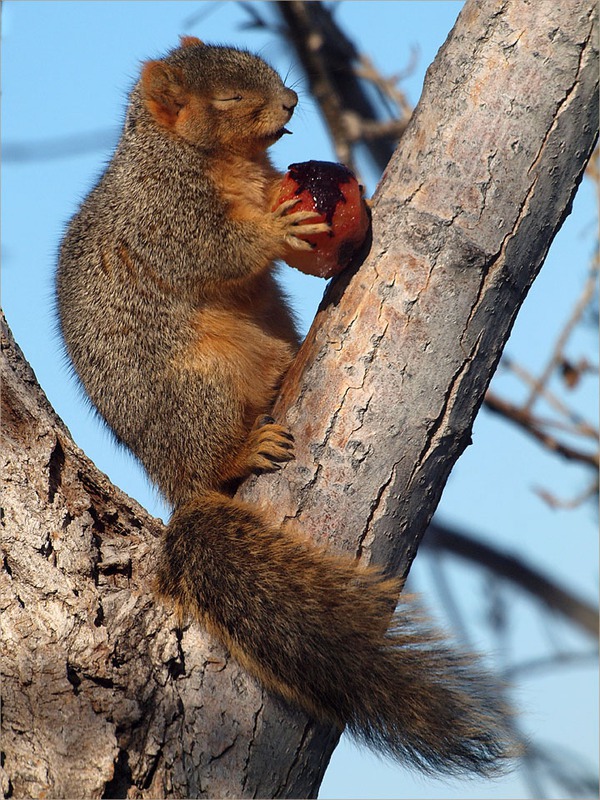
[103, 693]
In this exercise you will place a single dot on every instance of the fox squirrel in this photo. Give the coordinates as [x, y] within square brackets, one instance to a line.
[180, 336]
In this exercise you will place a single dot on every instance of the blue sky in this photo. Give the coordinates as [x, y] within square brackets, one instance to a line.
[67, 67]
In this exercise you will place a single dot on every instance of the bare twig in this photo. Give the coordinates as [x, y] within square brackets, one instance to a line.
[558, 351]
[580, 426]
[60, 146]
[527, 422]
[555, 502]
[448, 602]
[309, 39]
[550, 663]
[388, 87]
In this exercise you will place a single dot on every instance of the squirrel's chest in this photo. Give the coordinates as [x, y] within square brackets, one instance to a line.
[246, 186]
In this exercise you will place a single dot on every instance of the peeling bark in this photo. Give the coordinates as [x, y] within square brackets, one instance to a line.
[104, 694]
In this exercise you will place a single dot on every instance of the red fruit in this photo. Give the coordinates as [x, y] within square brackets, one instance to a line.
[333, 192]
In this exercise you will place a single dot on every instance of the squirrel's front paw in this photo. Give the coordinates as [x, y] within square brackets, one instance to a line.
[296, 224]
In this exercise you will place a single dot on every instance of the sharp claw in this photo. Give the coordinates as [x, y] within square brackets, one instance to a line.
[299, 244]
[317, 227]
[287, 204]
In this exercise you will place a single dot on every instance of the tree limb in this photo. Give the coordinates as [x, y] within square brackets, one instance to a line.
[525, 420]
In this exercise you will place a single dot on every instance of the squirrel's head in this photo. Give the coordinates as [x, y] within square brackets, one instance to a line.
[217, 97]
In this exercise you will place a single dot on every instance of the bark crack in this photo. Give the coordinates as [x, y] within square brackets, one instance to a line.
[296, 758]
[251, 742]
[441, 417]
[120, 783]
[524, 205]
[372, 510]
[55, 469]
[557, 113]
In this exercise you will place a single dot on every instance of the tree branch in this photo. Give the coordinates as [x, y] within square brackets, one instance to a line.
[331, 63]
[558, 354]
[513, 569]
[525, 420]
[131, 700]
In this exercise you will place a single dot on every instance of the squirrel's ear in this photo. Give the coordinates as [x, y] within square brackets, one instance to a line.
[164, 91]
[189, 41]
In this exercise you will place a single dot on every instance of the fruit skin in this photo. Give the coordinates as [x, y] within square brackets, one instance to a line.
[332, 191]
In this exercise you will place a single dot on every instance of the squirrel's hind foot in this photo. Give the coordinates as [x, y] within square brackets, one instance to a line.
[269, 445]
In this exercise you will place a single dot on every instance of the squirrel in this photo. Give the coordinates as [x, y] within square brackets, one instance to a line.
[180, 336]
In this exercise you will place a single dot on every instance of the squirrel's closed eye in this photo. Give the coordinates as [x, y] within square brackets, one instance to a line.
[233, 99]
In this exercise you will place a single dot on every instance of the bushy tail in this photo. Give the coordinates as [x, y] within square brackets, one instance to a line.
[313, 627]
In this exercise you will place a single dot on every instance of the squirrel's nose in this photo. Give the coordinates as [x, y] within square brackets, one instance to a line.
[290, 100]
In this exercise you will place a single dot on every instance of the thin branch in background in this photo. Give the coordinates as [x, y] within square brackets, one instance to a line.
[576, 777]
[452, 609]
[566, 768]
[199, 16]
[306, 32]
[558, 353]
[388, 87]
[338, 76]
[590, 492]
[60, 147]
[498, 614]
[569, 423]
[546, 663]
[529, 423]
[448, 603]
[515, 570]
[581, 427]
[531, 777]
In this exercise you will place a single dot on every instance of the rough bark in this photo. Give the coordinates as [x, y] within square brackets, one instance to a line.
[103, 694]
